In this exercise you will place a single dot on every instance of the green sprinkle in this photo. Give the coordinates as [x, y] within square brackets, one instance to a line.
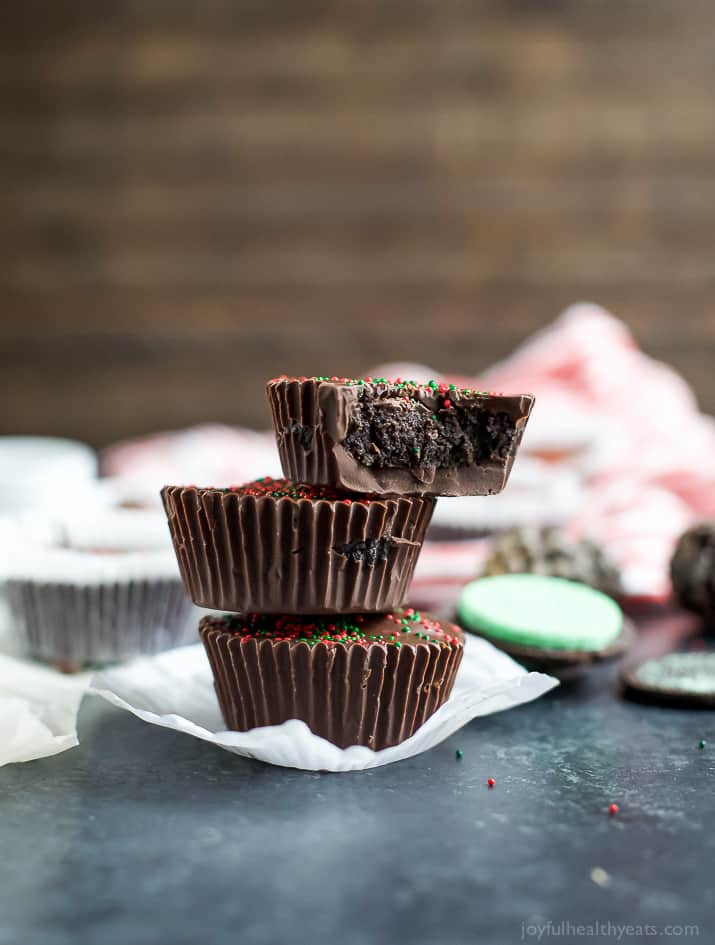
[459, 753]
[702, 743]
[398, 644]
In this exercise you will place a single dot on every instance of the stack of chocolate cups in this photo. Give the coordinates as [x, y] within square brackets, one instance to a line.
[312, 571]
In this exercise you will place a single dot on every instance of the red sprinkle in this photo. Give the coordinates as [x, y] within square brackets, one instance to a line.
[491, 782]
[613, 809]
[267, 487]
[448, 403]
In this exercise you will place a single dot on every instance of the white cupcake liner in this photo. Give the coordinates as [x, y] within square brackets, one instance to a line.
[176, 690]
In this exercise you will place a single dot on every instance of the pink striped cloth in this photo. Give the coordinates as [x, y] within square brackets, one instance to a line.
[626, 426]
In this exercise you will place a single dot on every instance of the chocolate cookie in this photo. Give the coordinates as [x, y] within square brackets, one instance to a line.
[692, 571]
[365, 680]
[677, 679]
[549, 551]
[380, 436]
[273, 546]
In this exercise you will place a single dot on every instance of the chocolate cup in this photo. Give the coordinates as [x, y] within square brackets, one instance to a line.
[312, 418]
[262, 554]
[375, 695]
[72, 626]
[551, 660]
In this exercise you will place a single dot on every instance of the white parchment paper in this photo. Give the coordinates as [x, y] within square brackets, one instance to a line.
[38, 710]
[175, 690]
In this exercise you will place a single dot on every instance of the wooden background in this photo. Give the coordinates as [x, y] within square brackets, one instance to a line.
[197, 195]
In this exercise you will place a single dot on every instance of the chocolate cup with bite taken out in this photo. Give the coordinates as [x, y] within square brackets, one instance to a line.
[379, 436]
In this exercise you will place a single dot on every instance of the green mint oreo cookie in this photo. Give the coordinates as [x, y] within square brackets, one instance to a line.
[545, 621]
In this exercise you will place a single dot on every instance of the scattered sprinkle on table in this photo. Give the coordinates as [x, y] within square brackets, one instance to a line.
[600, 877]
[459, 754]
[491, 782]
[613, 809]
[702, 743]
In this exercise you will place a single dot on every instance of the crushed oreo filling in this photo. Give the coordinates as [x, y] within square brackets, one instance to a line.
[304, 434]
[395, 433]
[369, 551]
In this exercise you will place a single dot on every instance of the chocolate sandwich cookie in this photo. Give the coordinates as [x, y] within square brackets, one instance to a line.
[545, 622]
[692, 571]
[365, 680]
[549, 551]
[677, 679]
[273, 546]
[380, 436]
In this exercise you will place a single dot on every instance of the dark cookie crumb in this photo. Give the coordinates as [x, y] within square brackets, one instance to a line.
[370, 551]
[692, 571]
[401, 432]
[304, 434]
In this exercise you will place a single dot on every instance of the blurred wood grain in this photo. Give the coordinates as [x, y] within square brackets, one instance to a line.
[194, 197]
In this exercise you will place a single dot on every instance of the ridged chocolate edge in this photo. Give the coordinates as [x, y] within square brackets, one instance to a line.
[259, 554]
[296, 401]
[376, 695]
[76, 625]
[296, 410]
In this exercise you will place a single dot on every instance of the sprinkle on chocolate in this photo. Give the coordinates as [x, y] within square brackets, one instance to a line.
[267, 487]
[397, 384]
[410, 625]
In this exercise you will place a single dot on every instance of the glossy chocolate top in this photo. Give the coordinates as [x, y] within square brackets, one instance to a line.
[402, 626]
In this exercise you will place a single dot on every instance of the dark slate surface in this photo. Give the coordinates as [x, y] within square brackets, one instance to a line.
[143, 835]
